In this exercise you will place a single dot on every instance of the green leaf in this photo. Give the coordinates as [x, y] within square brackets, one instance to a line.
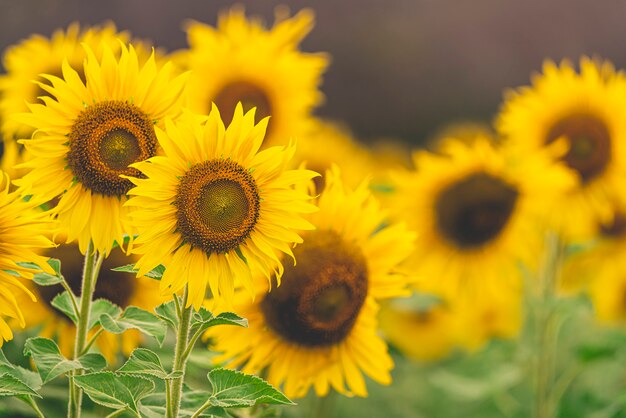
[153, 405]
[116, 391]
[92, 361]
[156, 273]
[63, 303]
[125, 241]
[26, 377]
[11, 386]
[28, 265]
[102, 307]
[167, 312]
[51, 363]
[136, 318]
[46, 279]
[205, 319]
[233, 389]
[144, 361]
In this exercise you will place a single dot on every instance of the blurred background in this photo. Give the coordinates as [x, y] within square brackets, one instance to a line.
[401, 68]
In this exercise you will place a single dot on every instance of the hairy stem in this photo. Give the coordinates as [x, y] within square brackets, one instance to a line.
[91, 268]
[180, 361]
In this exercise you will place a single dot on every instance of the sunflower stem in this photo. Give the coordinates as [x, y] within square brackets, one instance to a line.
[323, 405]
[91, 341]
[546, 325]
[201, 409]
[33, 404]
[91, 268]
[67, 287]
[180, 361]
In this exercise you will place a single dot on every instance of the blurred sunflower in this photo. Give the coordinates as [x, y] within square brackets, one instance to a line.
[26, 61]
[463, 130]
[123, 289]
[476, 209]
[319, 327]
[214, 210]
[21, 235]
[588, 111]
[354, 160]
[241, 61]
[424, 333]
[483, 318]
[88, 135]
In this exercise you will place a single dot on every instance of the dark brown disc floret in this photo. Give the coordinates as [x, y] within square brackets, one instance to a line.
[320, 298]
[249, 94]
[589, 143]
[474, 210]
[218, 205]
[105, 139]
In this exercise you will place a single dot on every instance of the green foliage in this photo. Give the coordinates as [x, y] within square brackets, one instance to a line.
[63, 302]
[116, 391]
[146, 362]
[12, 386]
[46, 279]
[167, 312]
[51, 363]
[204, 319]
[233, 389]
[156, 273]
[15, 380]
[136, 318]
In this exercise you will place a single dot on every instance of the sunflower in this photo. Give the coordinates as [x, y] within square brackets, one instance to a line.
[607, 291]
[482, 318]
[462, 130]
[241, 61]
[354, 159]
[89, 136]
[214, 210]
[319, 327]
[123, 289]
[38, 55]
[424, 333]
[21, 236]
[588, 111]
[477, 211]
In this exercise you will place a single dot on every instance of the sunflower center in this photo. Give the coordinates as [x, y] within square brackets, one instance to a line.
[115, 286]
[320, 298]
[250, 95]
[474, 210]
[105, 139]
[616, 228]
[589, 144]
[218, 205]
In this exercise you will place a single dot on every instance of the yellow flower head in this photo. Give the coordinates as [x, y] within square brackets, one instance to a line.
[476, 210]
[21, 236]
[426, 333]
[214, 210]
[588, 111]
[90, 134]
[354, 159]
[241, 61]
[319, 327]
[25, 62]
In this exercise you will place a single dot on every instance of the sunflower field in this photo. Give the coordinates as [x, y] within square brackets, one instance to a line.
[185, 232]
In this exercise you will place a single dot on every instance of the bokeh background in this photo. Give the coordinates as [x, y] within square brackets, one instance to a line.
[401, 68]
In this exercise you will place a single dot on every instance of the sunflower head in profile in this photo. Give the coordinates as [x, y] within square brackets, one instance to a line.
[26, 61]
[476, 210]
[318, 328]
[21, 238]
[241, 61]
[214, 210]
[89, 133]
[122, 289]
[587, 110]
